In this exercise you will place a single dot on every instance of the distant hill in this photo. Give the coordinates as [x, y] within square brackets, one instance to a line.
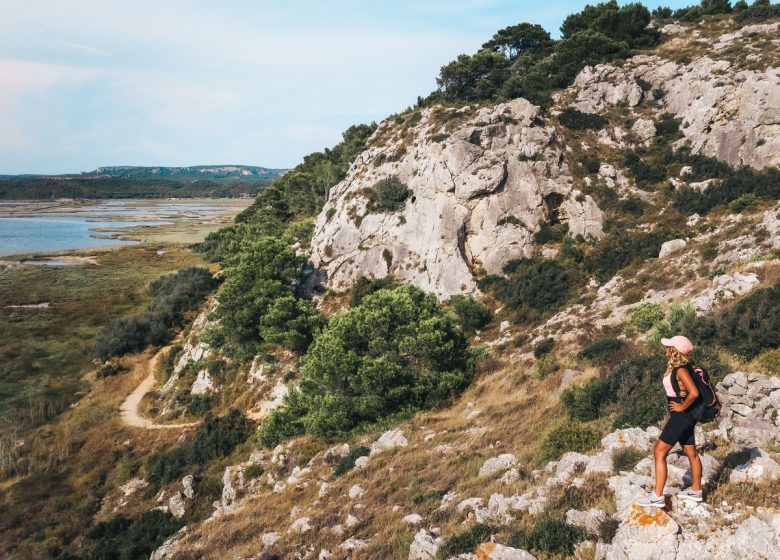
[208, 181]
[191, 173]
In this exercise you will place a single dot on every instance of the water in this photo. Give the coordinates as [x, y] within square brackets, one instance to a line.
[44, 234]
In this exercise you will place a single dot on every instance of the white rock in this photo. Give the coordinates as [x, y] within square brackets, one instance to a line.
[469, 503]
[356, 491]
[203, 383]
[413, 519]
[493, 551]
[644, 129]
[187, 485]
[270, 539]
[760, 468]
[351, 521]
[425, 546]
[300, 525]
[176, 505]
[645, 535]
[353, 544]
[669, 247]
[361, 462]
[504, 326]
[591, 520]
[389, 440]
[498, 464]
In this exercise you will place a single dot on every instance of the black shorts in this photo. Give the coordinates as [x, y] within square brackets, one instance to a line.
[679, 429]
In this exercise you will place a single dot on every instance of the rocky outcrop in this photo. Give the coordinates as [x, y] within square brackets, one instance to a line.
[727, 113]
[476, 197]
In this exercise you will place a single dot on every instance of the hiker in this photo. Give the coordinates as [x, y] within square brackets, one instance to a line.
[681, 395]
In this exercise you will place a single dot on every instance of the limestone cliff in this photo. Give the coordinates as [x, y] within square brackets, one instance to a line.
[477, 195]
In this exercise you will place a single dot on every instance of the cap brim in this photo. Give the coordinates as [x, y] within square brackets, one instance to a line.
[666, 342]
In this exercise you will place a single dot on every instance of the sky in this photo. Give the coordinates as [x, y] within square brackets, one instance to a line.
[90, 83]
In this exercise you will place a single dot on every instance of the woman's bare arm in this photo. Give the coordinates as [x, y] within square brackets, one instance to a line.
[686, 382]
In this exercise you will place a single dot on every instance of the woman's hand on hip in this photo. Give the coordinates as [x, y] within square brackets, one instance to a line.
[676, 407]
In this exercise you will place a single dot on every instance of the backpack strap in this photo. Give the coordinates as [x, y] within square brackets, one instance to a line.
[675, 383]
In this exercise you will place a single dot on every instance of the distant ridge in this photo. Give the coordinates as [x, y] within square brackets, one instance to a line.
[182, 174]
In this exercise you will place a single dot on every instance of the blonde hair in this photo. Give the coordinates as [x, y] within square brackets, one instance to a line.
[676, 359]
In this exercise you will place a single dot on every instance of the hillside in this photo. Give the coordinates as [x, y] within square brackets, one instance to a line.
[440, 338]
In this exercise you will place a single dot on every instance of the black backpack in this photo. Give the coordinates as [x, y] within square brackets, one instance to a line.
[707, 406]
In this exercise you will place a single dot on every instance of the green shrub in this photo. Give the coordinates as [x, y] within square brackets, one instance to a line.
[570, 253]
[200, 405]
[548, 233]
[347, 462]
[569, 436]
[577, 120]
[743, 202]
[365, 286]
[645, 316]
[215, 437]
[535, 287]
[626, 458]
[643, 172]
[390, 195]
[632, 295]
[122, 538]
[601, 351]
[583, 402]
[647, 407]
[472, 315]
[109, 370]
[621, 248]
[545, 366]
[667, 128]
[591, 164]
[549, 535]
[466, 541]
[395, 352]
[752, 325]
[544, 347]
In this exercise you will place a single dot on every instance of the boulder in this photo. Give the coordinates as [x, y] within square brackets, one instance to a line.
[645, 535]
[188, 486]
[498, 464]
[388, 440]
[176, 505]
[669, 247]
[760, 468]
[494, 551]
[591, 520]
[300, 525]
[644, 129]
[203, 383]
[355, 492]
[425, 546]
[754, 539]
[270, 539]
[413, 519]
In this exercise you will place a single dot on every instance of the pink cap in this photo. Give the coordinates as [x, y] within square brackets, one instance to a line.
[679, 342]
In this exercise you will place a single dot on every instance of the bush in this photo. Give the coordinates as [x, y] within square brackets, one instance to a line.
[390, 195]
[643, 172]
[122, 538]
[601, 351]
[535, 287]
[466, 541]
[395, 352]
[621, 248]
[472, 315]
[645, 316]
[109, 370]
[569, 436]
[174, 294]
[577, 120]
[347, 462]
[544, 347]
[629, 23]
[583, 402]
[626, 458]
[549, 535]
[366, 286]
[215, 437]
[752, 325]
[647, 407]
[545, 366]
[548, 233]
[736, 183]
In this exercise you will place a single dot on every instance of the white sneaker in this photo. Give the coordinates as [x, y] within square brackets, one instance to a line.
[689, 494]
[651, 500]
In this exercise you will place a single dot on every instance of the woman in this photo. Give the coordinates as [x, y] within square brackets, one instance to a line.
[681, 395]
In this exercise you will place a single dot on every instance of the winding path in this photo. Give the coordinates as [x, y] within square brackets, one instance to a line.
[129, 408]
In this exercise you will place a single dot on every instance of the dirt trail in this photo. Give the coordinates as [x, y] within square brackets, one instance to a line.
[129, 408]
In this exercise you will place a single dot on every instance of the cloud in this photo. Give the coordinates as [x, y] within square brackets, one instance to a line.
[78, 48]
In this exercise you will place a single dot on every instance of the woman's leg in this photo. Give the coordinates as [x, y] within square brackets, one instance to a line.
[693, 458]
[660, 451]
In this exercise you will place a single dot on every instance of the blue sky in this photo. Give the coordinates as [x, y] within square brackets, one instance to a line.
[87, 83]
